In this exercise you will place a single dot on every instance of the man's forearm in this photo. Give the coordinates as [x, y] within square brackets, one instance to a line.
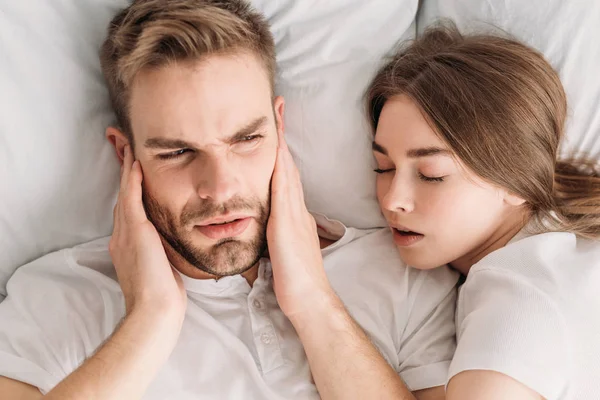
[343, 361]
[126, 364]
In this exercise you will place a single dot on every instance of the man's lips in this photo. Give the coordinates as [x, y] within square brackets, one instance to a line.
[224, 228]
[223, 219]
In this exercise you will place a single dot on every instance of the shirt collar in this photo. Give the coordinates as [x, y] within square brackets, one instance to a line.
[226, 285]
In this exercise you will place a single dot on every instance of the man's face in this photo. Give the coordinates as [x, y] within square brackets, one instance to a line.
[206, 136]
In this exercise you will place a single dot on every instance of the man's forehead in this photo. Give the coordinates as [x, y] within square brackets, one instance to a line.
[239, 74]
[187, 105]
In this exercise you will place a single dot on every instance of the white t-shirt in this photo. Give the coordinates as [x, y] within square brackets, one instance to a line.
[235, 342]
[531, 310]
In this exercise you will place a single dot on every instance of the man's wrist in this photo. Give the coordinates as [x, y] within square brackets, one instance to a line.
[154, 309]
[162, 324]
[152, 313]
[319, 307]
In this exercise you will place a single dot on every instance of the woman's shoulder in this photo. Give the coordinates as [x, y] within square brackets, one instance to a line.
[543, 253]
[524, 307]
[554, 263]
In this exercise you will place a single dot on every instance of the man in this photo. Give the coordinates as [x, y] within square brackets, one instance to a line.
[181, 303]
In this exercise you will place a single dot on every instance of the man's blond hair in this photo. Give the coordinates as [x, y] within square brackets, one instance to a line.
[154, 33]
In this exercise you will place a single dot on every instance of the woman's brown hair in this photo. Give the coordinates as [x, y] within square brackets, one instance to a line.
[501, 108]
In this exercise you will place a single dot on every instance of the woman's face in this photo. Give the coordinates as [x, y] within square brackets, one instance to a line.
[439, 212]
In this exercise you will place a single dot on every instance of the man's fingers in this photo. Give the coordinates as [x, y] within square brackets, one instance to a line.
[134, 204]
[116, 218]
[287, 197]
[126, 167]
[281, 139]
[279, 185]
[292, 170]
[289, 176]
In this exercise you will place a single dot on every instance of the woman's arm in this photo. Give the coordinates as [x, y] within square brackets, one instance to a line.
[513, 341]
[489, 385]
[15, 390]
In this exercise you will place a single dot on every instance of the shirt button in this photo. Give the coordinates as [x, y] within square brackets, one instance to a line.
[266, 338]
[257, 304]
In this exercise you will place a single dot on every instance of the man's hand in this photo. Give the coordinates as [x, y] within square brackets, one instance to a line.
[299, 278]
[146, 277]
[344, 363]
[155, 302]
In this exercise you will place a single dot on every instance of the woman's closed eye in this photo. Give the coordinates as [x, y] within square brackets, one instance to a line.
[426, 178]
[423, 177]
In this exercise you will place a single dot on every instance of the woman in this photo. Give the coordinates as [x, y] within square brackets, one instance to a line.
[467, 131]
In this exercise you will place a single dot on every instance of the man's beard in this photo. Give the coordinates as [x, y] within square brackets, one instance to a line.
[227, 256]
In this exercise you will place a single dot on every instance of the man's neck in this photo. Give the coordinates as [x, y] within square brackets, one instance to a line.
[251, 275]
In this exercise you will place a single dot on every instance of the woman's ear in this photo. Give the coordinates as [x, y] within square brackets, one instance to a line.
[513, 199]
[118, 140]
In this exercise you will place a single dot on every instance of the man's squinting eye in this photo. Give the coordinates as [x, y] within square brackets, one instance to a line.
[251, 138]
[173, 154]
[176, 154]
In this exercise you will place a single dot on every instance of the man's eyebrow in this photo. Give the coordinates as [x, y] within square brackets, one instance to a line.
[166, 143]
[162, 143]
[249, 129]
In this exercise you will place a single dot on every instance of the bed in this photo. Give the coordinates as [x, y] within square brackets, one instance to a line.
[59, 176]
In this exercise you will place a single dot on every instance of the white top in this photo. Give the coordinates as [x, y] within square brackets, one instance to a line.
[235, 342]
[531, 310]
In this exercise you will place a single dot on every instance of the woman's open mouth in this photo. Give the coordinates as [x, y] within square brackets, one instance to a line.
[406, 238]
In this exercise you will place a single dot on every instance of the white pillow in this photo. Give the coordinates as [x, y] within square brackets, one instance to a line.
[59, 176]
[328, 51]
[567, 32]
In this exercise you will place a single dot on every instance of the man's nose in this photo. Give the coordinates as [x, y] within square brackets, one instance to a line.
[219, 180]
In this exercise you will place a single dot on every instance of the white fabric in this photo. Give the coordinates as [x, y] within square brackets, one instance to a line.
[59, 176]
[327, 52]
[565, 31]
[531, 310]
[235, 342]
